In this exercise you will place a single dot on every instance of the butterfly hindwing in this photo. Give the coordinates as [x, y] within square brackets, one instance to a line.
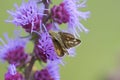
[59, 49]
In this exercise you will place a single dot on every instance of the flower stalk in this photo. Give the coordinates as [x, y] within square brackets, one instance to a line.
[29, 67]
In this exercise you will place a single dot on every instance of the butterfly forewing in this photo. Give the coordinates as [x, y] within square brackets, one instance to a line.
[69, 40]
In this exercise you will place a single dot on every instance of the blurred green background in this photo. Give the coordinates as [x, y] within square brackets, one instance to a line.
[98, 53]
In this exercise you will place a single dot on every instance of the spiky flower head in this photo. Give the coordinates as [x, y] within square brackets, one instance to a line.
[28, 15]
[59, 14]
[44, 48]
[50, 72]
[74, 24]
[68, 12]
[12, 74]
[13, 51]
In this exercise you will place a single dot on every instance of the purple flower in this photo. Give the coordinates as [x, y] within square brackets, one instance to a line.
[51, 72]
[14, 51]
[44, 48]
[59, 14]
[74, 24]
[12, 74]
[28, 15]
[68, 12]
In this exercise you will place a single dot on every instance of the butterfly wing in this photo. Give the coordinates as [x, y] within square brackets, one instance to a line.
[58, 44]
[69, 40]
[59, 49]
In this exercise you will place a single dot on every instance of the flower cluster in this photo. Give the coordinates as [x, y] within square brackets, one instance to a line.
[50, 43]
